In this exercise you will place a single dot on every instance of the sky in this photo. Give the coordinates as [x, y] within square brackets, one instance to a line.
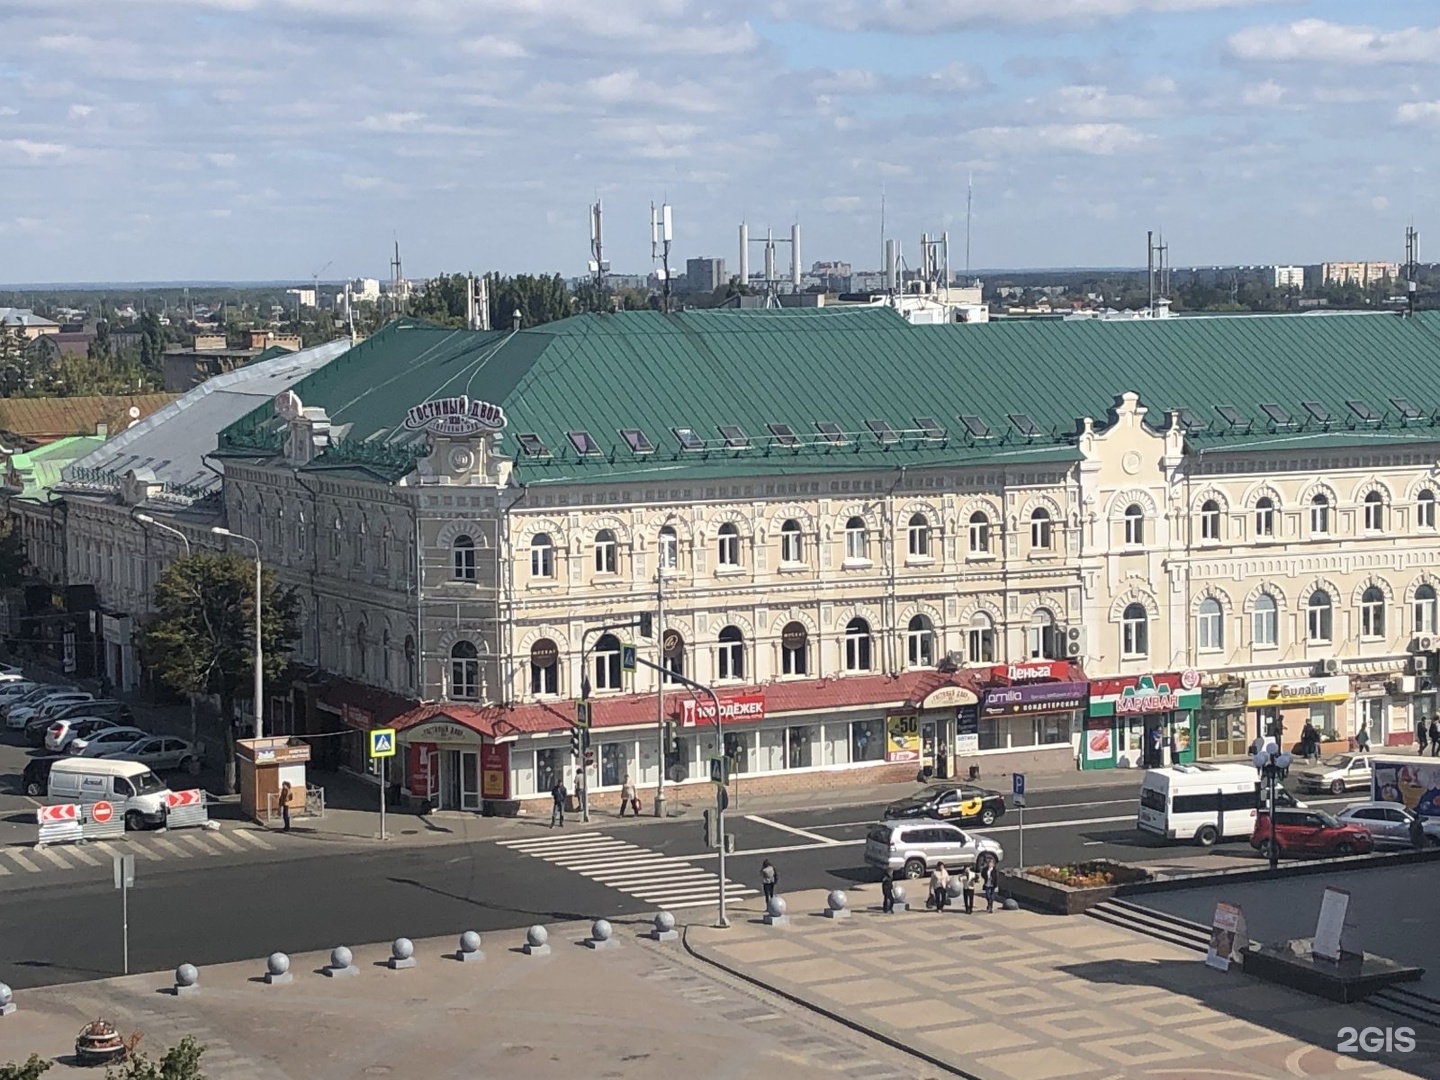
[145, 140]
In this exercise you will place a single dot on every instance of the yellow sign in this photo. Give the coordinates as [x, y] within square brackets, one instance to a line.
[949, 697]
[902, 737]
[1262, 693]
[382, 742]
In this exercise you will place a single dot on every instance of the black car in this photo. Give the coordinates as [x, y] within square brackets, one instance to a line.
[951, 802]
[35, 781]
[105, 709]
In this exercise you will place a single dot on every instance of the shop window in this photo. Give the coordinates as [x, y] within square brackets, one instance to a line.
[792, 542]
[1265, 517]
[1210, 520]
[464, 671]
[727, 550]
[1210, 626]
[542, 556]
[606, 658]
[1134, 631]
[1319, 617]
[979, 533]
[1372, 613]
[678, 756]
[463, 556]
[920, 642]
[804, 746]
[740, 751]
[1424, 609]
[730, 656]
[1052, 728]
[1265, 620]
[1042, 530]
[1322, 716]
[981, 639]
[1374, 512]
[867, 740]
[794, 650]
[772, 750]
[668, 548]
[1425, 509]
[917, 536]
[857, 645]
[837, 744]
[991, 732]
[605, 552]
[1134, 525]
[617, 761]
[1042, 640]
[544, 667]
[549, 767]
[857, 541]
[1320, 515]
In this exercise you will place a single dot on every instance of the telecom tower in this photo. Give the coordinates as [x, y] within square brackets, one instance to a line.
[1412, 267]
[661, 234]
[599, 268]
[771, 282]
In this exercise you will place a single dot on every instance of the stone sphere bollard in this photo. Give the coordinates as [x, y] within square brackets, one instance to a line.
[775, 912]
[537, 941]
[1010, 904]
[602, 935]
[7, 1000]
[954, 888]
[898, 892]
[402, 953]
[837, 905]
[277, 969]
[469, 947]
[664, 928]
[342, 962]
[187, 979]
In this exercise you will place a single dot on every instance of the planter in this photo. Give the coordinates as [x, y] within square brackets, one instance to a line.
[1049, 889]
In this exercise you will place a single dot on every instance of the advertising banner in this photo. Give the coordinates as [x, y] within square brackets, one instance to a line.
[967, 731]
[1034, 698]
[746, 708]
[1228, 937]
[1137, 695]
[495, 771]
[902, 737]
[1267, 693]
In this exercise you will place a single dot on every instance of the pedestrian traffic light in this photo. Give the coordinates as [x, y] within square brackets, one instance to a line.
[583, 713]
[712, 829]
[671, 743]
[647, 625]
[729, 843]
[575, 741]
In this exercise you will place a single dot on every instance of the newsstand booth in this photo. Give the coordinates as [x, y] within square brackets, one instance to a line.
[455, 761]
[265, 765]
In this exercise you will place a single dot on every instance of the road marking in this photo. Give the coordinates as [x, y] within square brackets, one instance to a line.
[225, 841]
[788, 828]
[4, 870]
[1092, 843]
[23, 862]
[198, 844]
[54, 857]
[84, 856]
[638, 862]
[530, 841]
[173, 849]
[655, 876]
[250, 836]
[1058, 824]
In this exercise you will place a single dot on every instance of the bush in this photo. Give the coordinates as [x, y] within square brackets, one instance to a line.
[33, 1066]
[180, 1062]
[1089, 875]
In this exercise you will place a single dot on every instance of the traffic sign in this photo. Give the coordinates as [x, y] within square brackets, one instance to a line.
[49, 815]
[583, 714]
[101, 812]
[589, 757]
[382, 742]
[719, 771]
[627, 657]
[176, 799]
[124, 871]
[1017, 783]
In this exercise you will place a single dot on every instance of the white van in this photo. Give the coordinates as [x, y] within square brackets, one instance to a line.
[1200, 802]
[137, 793]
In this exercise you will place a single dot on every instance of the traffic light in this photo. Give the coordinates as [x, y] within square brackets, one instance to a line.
[575, 734]
[647, 625]
[583, 714]
[712, 829]
[671, 743]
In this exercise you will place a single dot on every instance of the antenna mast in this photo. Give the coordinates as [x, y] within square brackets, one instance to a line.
[396, 278]
[768, 241]
[599, 268]
[661, 234]
[1412, 267]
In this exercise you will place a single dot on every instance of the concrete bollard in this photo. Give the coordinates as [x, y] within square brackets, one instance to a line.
[665, 928]
[537, 941]
[900, 905]
[837, 905]
[469, 947]
[775, 912]
[187, 980]
[1010, 904]
[7, 1000]
[602, 935]
[277, 969]
[342, 962]
[402, 954]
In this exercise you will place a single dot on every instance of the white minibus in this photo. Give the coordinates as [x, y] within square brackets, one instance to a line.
[1202, 802]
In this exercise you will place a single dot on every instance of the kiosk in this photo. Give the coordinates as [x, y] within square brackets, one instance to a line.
[264, 766]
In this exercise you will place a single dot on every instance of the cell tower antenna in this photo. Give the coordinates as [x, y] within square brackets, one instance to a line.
[1412, 267]
[396, 278]
[661, 235]
[599, 268]
[969, 202]
[884, 251]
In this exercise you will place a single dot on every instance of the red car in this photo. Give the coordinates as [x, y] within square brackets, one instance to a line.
[1308, 832]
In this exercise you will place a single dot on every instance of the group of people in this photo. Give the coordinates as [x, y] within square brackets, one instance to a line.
[559, 797]
[1428, 736]
[985, 878]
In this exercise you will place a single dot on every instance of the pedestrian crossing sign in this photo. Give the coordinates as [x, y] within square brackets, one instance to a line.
[627, 657]
[382, 742]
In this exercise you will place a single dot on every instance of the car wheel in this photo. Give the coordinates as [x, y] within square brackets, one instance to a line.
[987, 816]
[134, 821]
[914, 868]
[191, 766]
[1207, 836]
[1345, 847]
[1270, 849]
[33, 789]
[1337, 787]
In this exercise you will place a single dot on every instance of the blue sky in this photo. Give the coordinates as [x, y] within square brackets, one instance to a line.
[263, 139]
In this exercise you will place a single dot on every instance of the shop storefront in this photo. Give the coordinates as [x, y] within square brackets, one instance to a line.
[1141, 721]
[1221, 728]
[940, 725]
[452, 767]
[1030, 716]
[1281, 707]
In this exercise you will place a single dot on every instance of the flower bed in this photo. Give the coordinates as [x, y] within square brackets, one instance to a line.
[1090, 875]
[1073, 888]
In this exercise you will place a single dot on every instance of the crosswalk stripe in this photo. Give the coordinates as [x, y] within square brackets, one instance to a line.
[84, 856]
[629, 858]
[253, 838]
[54, 857]
[4, 870]
[576, 846]
[673, 873]
[530, 841]
[225, 841]
[23, 862]
[143, 851]
[173, 849]
[198, 844]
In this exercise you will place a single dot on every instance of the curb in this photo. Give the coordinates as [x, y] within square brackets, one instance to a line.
[844, 1021]
[1307, 868]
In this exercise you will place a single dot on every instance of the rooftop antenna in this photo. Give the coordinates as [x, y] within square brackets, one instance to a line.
[969, 200]
[1412, 267]
[884, 248]
[599, 268]
[661, 234]
[771, 280]
[1150, 270]
[396, 278]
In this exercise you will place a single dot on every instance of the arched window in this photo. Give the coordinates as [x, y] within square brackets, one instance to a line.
[605, 552]
[917, 536]
[362, 542]
[1041, 639]
[337, 530]
[1210, 520]
[1425, 509]
[792, 542]
[730, 657]
[1372, 613]
[857, 543]
[464, 671]
[794, 649]
[542, 556]
[463, 553]
[1265, 517]
[1320, 515]
[410, 662]
[672, 654]
[1210, 625]
[727, 545]
[981, 639]
[920, 642]
[1134, 631]
[385, 657]
[385, 546]
[362, 650]
[1265, 621]
[544, 667]
[606, 657]
[1042, 529]
[300, 533]
[1134, 525]
[1374, 512]
[979, 533]
[1424, 608]
[857, 645]
[1319, 616]
[668, 548]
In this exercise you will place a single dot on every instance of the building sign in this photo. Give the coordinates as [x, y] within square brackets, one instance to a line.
[1032, 671]
[902, 737]
[443, 731]
[1034, 698]
[544, 653]
[495, 771]
[1265, 694]
[357, 718]
[455, 416]
[744, 709]
[424, 773]
[1137, 695]
[673, 644]
[949, 697]
[967, 730]
[793, 636]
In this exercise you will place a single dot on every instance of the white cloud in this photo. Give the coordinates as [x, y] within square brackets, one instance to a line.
[35, 150]
[392, 121]
[494, 48]
[79, 112]
[1267, 94]
[932, 16]
[1097, 139]
[221, 161]
[1380, 202]
[1420, 113]
[1098, 103]
[847, 81]
[1319, 41]
[956, 77]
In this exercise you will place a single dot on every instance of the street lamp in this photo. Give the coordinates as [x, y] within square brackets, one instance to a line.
[1273, 764]
[220, 530]
[146, 519]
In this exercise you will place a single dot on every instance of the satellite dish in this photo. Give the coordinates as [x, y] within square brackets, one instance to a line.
[134, 412]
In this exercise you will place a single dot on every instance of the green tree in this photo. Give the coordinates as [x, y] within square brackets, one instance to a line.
[443, 300]
[181, 1062]
[152, 341]
[201, 637]
[30, 1069]
[538, 299]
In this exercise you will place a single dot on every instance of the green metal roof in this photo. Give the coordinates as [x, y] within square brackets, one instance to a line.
[701, 369]
[39, 469]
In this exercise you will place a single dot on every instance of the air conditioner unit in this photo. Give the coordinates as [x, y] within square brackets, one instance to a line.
[1420, 664]
[1074, 642]
[1330, 667]
[1425, 643]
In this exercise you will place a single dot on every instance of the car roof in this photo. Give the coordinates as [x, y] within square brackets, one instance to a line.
[101, 766]
[1374, 806]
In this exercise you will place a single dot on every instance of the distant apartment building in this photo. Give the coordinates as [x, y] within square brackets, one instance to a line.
[1363, 274]
[1289, 277]
[705, 274]
[303, 297]
[25, 324]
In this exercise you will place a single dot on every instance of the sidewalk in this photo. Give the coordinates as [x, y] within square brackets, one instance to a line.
[1017, 995]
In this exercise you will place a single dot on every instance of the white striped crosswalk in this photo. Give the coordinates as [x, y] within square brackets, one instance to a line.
[662, 880]
[149, 847]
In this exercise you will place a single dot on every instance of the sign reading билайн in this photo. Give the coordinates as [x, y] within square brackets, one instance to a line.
[455, 416]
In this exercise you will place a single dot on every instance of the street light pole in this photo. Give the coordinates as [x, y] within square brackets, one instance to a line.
[1273, 763]
[219, 530]
[146, 519]
[660, 690]
[721, 799]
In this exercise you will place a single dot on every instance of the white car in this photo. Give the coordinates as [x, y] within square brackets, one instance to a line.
[13, 698]
[20, 715]
[101, 741]
[162, 753]
[61, 733]
[1389, 823]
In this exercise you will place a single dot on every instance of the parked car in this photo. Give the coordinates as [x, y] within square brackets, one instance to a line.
[1308, 832]
[60, 708]
[1337, 774]
[11, 671]
[35, 780]
[912, 848]
[45, 709]
[106, 707]
[98, 742]
[59, 735]
[1388, 823]
[950, 802]
[162, 753]
[137, 793]
[21, 708]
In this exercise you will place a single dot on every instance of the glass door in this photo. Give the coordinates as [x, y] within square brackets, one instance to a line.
[927, 748]
[469, 780]
[449, 779]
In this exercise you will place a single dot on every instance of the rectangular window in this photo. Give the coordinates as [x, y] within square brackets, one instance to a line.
[867, 740]
[617, 761]
[982, 645]
[772, 750]
[837, 744]
[549, 767]
[1322, 716]
[803, 743]
[740, 751]
[992, 733]
[1051, 729]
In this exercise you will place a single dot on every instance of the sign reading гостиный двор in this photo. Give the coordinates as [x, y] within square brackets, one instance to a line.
[455, 416]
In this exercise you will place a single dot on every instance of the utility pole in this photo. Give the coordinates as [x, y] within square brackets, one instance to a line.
[660, 688]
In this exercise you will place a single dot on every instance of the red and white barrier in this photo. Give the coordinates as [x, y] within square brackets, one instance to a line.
[59, 824]
[185, 808]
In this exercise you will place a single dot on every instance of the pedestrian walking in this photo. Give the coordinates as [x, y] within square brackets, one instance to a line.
[285, 805]
[940, 886]
[628, 801]
[769, 878]
[580, 789]
[1422, 736]
[1435, 737]
[989, 881]
[558, 795]
[1309, 741]
[887, 893]
[1362, 737]
[968, 880]
[1417, 832]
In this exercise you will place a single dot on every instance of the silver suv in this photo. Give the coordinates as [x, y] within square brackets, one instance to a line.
[912, 848]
